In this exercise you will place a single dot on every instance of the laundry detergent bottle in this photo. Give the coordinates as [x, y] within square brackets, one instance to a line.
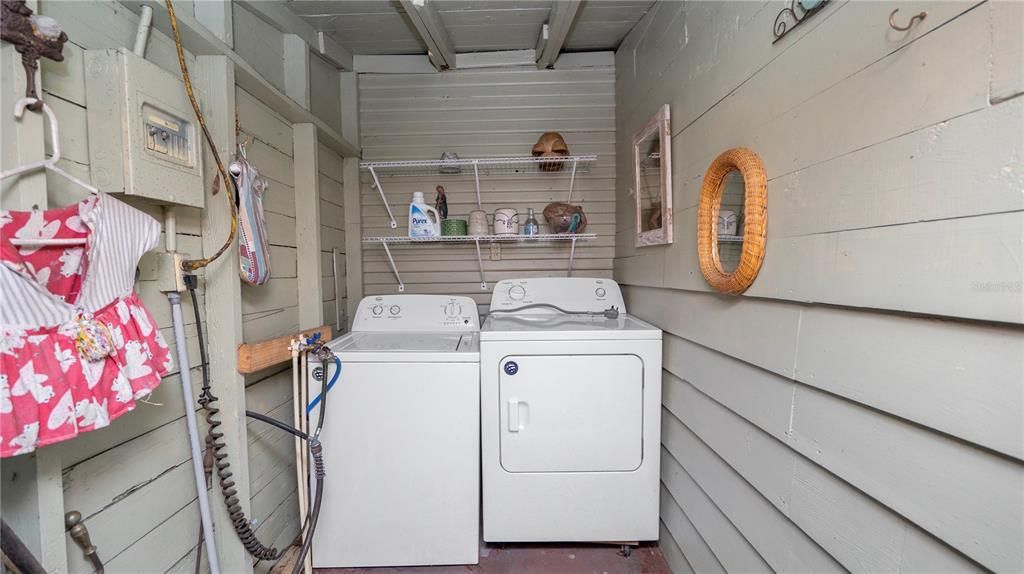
[424, 220]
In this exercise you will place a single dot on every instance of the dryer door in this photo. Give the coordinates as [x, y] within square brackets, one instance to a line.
[571, 413]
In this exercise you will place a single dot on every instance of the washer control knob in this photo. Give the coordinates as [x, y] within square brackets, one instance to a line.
[453, 309]
[600, 292]
[377, 309]
[395, 309]
[517, 292]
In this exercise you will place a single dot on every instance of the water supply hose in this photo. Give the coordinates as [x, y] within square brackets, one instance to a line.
[609, 313]
[217, 444]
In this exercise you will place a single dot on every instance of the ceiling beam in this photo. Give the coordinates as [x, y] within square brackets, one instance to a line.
[287, 22]
[428, 25]
[555, 31]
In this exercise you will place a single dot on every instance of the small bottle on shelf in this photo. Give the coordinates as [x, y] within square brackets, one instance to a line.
[531, 227]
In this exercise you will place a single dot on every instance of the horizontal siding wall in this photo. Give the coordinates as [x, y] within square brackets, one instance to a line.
[486, 113]
[860, 407]
[269, 311]
[332, 237]
[139, 466]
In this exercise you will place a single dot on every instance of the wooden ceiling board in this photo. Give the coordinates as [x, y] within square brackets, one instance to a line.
[486, 26]
[381, 27]
[603, 25]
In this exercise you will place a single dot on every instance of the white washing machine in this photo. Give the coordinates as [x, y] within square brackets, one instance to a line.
[570, 415]
[401, 436]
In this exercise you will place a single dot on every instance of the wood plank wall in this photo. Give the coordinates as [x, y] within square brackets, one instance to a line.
[138, 471]
[269, 311]
[860, 407]
[139, 466]
[332, 236]
[486, 113]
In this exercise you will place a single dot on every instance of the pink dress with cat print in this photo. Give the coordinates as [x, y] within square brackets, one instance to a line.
[77, 347]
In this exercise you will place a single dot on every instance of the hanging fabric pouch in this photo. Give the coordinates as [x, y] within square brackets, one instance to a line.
[253, 241]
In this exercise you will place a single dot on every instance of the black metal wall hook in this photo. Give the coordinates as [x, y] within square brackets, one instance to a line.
[913, 20]
[33, 37]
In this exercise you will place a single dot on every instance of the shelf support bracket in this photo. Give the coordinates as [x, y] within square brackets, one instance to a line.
[480, 262]
[572, 182]
[476, 174]
[394, 268]
[380, 190]
[572, 256]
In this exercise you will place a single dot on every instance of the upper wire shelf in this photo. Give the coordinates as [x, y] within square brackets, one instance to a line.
[481, 166]
[475, 167]
[491, 238]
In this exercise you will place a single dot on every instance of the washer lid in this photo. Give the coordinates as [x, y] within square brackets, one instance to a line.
[406, 346]
[552, 326]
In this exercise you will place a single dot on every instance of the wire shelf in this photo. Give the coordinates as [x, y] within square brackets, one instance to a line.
[730, 239]
[480, 166]
[400, 239]
[475, 240]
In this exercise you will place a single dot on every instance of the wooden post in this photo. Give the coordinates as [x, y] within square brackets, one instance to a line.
[353, 221]
[353, 238]
[216, 17]
[307, 224]
[32, 486]
[215, 78]
[296, 69]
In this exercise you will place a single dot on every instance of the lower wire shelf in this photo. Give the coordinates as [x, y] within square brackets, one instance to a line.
[386, 240]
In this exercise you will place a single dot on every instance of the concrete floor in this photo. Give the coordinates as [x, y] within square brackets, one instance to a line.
[541, 559]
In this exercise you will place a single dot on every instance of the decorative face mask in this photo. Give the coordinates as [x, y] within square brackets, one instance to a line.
[550, 144]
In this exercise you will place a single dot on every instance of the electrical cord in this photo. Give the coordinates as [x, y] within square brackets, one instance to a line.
[609, 313]
[215, 442]
[194, 264]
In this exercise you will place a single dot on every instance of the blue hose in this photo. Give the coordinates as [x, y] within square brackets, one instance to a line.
[316, 400]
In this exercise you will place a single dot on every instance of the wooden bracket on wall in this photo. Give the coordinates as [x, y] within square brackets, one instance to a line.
[254, 357]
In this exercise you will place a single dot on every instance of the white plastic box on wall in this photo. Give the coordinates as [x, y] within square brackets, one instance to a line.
[143, 139]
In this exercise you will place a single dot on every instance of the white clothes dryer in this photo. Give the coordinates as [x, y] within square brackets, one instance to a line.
[570, 414]
[401, 436]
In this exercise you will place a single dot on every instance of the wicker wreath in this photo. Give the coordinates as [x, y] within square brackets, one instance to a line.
[754, 226]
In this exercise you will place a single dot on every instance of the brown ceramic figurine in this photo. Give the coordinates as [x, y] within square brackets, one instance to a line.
[565, 218]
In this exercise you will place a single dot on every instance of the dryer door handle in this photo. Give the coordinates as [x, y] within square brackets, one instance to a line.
[513, 416]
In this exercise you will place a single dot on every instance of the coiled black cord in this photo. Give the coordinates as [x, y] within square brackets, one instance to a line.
[227, 486]
[216, 443]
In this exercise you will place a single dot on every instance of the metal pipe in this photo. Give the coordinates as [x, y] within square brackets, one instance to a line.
[476, 174]
[572, 181]
[394, 268]
[480, 263]
[380, 190]
[193, 431]
[142, 32]
[170, 228]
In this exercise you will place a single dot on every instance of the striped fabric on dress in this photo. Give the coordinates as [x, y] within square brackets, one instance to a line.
[53, 385]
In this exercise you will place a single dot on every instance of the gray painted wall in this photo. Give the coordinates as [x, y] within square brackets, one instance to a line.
[860, 407]
[487, 113]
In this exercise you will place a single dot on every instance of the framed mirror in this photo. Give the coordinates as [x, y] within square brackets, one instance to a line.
[732, 220]
[652, 185]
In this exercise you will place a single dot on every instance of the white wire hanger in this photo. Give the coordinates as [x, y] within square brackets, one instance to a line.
[49, 164]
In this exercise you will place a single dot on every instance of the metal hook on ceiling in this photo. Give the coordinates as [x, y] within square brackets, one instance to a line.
[913, 20]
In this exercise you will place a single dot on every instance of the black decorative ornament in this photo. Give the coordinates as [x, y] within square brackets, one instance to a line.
[790, 17]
